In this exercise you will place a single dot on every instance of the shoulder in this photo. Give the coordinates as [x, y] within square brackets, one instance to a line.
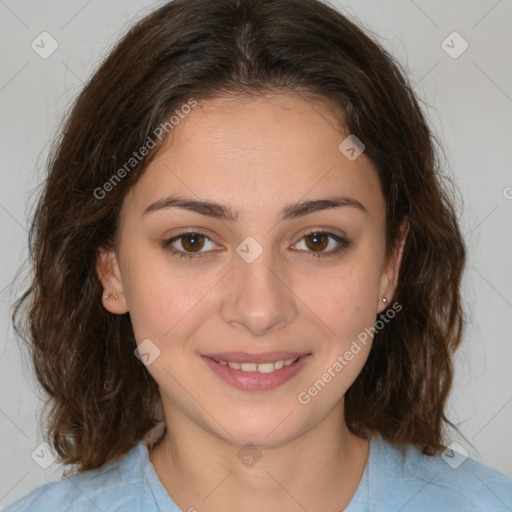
[116, 486]
[446, 481]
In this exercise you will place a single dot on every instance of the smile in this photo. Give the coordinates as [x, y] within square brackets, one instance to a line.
[254, 375]
[258, 367]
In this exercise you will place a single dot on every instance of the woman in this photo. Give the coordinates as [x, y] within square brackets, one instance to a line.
[247, 274]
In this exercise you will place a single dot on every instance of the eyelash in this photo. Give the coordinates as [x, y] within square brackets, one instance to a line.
[344, 244]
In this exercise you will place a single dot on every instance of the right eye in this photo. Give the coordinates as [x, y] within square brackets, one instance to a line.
[191, 244]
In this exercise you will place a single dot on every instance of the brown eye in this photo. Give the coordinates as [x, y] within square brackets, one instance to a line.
[317, 241]
[192, 242]
[189, 245]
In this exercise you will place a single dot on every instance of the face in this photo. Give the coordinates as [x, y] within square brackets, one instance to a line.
[252, 240]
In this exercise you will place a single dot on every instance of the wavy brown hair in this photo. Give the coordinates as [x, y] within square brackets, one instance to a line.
[102, 399]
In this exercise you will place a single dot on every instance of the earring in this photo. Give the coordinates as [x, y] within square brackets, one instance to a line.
[384, 299]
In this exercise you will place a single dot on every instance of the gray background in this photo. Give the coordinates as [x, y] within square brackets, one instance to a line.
[469, 102]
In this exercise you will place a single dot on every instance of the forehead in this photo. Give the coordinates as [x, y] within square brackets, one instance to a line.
[256, 152]
[274, 126]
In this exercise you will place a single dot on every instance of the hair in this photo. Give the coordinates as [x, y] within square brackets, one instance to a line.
[102, 399]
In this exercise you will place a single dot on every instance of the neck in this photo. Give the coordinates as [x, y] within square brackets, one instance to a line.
[317, 471]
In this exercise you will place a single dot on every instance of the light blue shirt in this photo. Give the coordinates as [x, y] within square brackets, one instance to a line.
[417, 483]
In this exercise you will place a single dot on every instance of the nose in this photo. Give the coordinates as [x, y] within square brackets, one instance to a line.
[259, 298]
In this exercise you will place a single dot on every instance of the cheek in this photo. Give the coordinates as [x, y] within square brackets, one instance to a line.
[345, 300]
[347, 306]
[163, 300]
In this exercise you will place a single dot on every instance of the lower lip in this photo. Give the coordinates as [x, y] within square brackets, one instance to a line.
[255, 381]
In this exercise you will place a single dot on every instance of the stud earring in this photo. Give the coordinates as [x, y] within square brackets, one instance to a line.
[384, 299]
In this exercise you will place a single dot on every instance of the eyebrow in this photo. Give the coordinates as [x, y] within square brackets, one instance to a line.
[224, 212]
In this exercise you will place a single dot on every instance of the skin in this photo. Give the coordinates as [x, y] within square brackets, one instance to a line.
[255, 155]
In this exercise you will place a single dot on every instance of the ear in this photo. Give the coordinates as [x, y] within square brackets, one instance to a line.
[391, 269]
[107, 268]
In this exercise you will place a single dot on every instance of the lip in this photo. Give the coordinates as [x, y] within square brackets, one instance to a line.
[255, 381]
[245, 357]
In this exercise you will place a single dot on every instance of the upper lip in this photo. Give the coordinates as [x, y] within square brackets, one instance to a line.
[264, 357]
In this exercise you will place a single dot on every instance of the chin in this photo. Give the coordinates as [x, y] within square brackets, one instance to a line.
[264, 432]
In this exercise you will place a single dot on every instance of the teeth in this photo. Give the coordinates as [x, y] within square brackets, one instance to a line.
[264, 367]
[258, 367]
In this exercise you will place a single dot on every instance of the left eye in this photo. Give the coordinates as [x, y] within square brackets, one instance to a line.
[318, 241]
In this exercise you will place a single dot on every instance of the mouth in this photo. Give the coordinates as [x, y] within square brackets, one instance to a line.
[256, 372]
